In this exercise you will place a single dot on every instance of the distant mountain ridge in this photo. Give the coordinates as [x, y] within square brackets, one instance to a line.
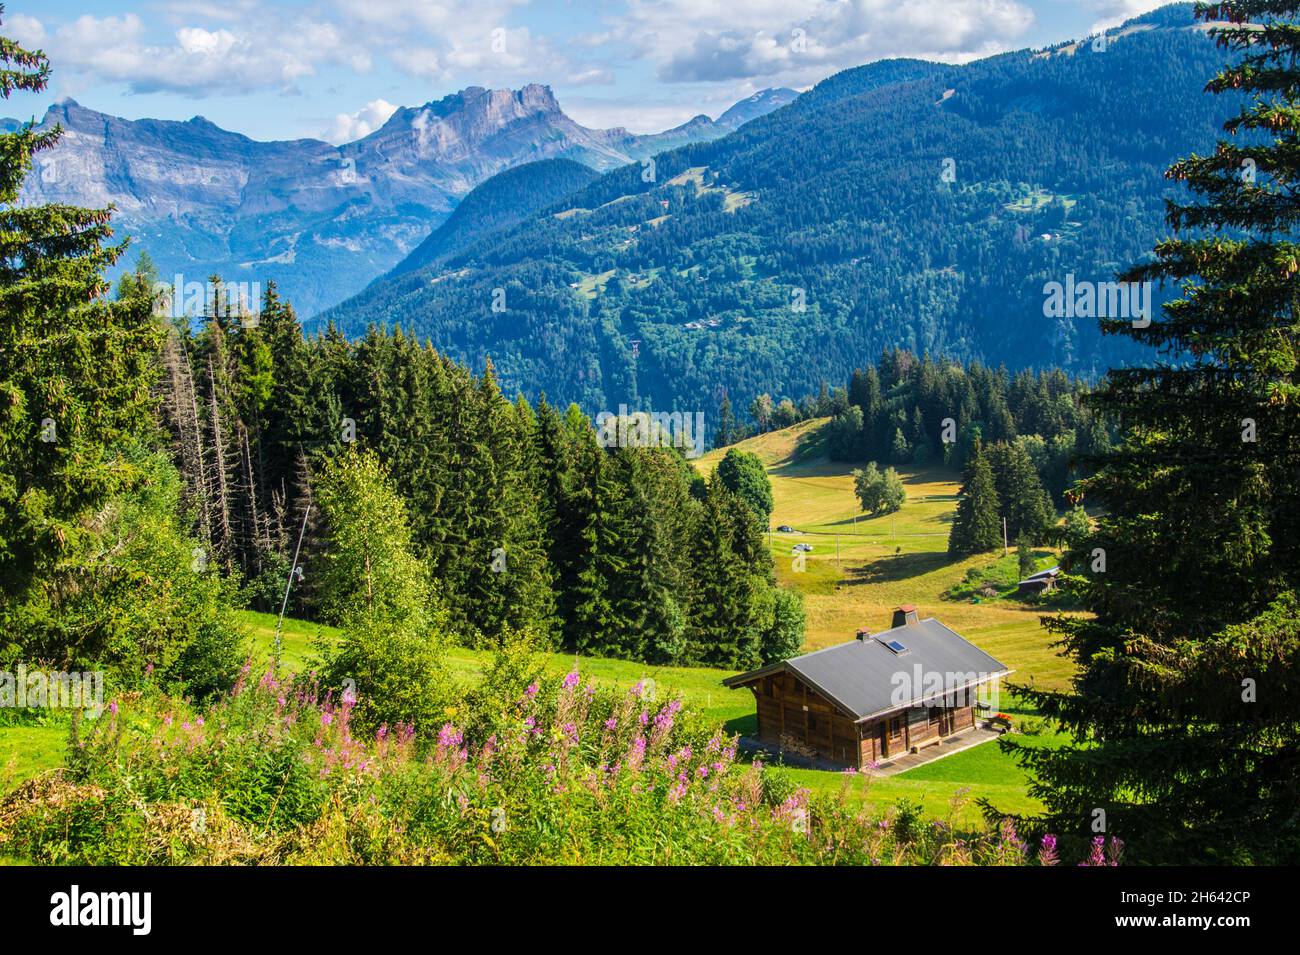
[320, 220]
[899, 204]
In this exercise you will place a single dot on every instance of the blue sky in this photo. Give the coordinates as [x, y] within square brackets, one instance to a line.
[335, 69]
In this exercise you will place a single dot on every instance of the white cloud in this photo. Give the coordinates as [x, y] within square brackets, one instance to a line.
[363, 122]
[27, 31]
[468, 42]
[793, 42]
[1111, 13]
[198, 42]
[247, 56]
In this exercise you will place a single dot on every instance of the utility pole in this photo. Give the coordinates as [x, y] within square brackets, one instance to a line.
[293, 570]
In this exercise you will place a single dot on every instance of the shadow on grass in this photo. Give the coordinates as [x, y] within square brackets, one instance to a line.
[742, 725]
[891, 569]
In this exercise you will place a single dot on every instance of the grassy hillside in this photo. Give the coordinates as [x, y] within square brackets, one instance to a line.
[983, 771]
[881, 562]
[885, 561]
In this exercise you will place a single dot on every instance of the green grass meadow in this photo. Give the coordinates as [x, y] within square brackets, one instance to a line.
[859, 570]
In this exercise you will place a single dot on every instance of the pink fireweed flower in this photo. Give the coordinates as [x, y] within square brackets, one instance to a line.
[112, 707]
[1047, 851]
[1097, 857]
[611, 723]
[571, 680]
[1114, 850]
[636, 755]
[532, 690]
[382, 733]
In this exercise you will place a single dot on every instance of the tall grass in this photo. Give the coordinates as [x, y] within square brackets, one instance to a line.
[561, 771]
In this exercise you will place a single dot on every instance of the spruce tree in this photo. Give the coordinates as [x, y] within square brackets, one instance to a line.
[1025, 504]
[1184, 709]
[719, 630]
[727, 429]
[75, 368]
[976, 526]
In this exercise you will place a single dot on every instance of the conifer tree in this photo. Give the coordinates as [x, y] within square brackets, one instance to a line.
[721, 631]
[1185, 705]
[976, 527]
[602, 558]
[75, 368]
[726, 433]
[1024, 503]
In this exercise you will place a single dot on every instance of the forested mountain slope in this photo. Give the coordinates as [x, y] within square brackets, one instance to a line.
[319, 220]
[780, 255]
[504, 200]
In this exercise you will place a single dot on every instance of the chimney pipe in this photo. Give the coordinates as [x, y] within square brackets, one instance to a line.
[905, 615]
[863, 633]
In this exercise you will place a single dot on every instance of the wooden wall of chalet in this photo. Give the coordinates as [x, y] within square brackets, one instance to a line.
[794, 717]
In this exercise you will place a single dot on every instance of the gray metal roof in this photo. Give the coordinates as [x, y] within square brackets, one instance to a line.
[865, 678]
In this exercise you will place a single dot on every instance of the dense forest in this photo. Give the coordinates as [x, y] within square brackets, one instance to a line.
[910, 410]
[523, 520]
[900, 204]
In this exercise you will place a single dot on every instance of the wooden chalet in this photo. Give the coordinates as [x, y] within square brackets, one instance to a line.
[874, 698]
